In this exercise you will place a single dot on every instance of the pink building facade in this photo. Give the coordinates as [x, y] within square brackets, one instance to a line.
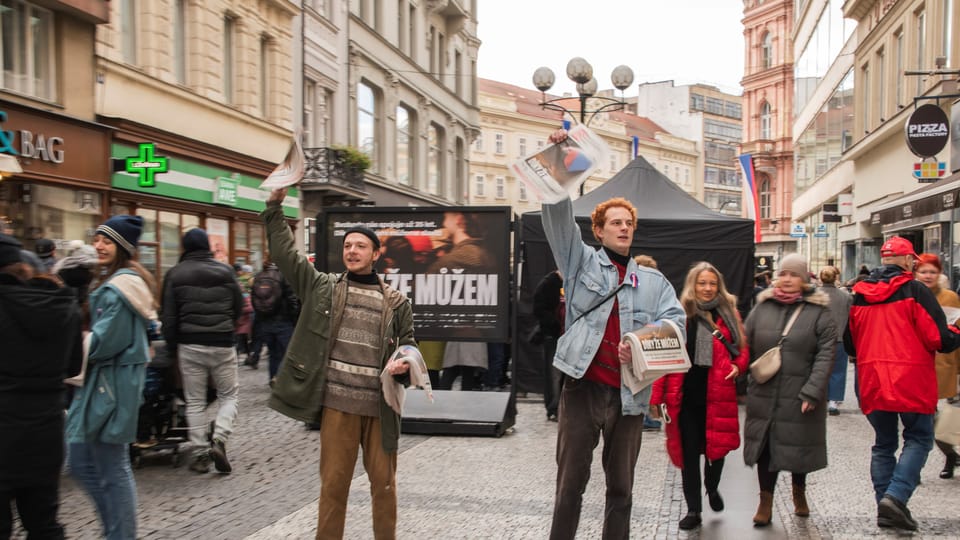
[768, 120]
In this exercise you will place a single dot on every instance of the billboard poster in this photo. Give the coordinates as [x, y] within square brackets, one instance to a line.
[451, 262]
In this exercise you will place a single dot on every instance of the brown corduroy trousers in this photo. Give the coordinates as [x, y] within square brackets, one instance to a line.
[341, 435]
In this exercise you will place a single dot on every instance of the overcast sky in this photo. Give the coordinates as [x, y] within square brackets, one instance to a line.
[685, 40]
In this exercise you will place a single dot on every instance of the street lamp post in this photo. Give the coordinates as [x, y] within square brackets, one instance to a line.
[581, 72]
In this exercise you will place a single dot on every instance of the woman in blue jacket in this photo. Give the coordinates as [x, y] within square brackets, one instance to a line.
[102, 420]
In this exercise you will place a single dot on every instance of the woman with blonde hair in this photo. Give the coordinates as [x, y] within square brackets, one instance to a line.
[102, 420]
[702, 402]
[786, 424]
[929, 271]
[840, 302]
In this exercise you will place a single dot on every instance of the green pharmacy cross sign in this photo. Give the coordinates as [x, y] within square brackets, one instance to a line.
[145, 165]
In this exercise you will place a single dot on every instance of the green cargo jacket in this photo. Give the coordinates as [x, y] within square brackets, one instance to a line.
[298, 390]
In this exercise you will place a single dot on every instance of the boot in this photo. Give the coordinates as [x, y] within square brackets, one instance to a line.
[764, 510]
[800, 507]
[948, 467]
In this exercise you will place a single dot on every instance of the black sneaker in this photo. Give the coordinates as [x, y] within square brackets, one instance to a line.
[893, 513]
[218, 453]
[200, 463]
[716, 501]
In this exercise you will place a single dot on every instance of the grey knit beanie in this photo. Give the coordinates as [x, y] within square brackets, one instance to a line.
[797, 264]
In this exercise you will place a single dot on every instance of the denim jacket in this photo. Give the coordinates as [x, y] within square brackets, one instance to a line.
[588, 276]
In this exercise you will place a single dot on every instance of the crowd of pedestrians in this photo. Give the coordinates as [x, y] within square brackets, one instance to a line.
[95, 317]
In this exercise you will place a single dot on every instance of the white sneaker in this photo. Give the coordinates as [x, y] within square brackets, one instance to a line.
[833, 407]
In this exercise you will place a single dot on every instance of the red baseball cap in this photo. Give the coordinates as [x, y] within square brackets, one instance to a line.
[896, 246]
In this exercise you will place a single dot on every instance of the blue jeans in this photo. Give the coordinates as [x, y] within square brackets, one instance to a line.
[276, 336]
[838, 377]
[104, 472]
[892, 477]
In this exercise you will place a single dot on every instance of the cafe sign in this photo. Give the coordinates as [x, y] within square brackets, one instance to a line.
[927, 130]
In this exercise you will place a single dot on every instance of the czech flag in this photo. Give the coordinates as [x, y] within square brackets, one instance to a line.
[749, 199]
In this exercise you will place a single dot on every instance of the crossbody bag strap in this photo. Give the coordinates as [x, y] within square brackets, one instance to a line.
[715, 331]
[793, 319]
[600, 303]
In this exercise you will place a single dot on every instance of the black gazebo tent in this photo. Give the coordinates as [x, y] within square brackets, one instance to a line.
[672, 227]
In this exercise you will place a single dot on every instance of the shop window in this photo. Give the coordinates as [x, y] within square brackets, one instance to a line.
[169, 241]
[240, 238]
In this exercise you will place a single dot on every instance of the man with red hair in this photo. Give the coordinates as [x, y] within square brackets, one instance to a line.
[607, 295]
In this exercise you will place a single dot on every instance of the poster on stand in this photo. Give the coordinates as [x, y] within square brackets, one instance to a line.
[451, 262]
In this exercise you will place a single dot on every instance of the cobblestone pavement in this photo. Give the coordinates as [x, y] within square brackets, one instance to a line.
[466, 487]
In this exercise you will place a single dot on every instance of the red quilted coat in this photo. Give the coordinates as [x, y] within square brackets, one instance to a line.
[723, 423]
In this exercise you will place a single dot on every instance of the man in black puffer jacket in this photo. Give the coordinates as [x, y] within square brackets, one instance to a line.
[40, 332]
[201, 304]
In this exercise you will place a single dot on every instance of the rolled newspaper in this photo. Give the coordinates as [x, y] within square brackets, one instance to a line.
[290, 171]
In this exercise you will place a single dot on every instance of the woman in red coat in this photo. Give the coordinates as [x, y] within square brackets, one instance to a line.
[702, 403]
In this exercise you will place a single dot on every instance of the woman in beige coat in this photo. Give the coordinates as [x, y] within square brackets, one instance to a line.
[929, 272]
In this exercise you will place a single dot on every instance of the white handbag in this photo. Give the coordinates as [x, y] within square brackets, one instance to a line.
[768, 364]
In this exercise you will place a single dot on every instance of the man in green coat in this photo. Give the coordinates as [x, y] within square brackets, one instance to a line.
[350, 324]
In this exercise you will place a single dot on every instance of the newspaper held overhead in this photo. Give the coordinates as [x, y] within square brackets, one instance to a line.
[560, 169]
[290, 171]
[658, 349]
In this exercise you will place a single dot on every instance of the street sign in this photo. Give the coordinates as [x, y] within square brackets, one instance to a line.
[927, 130]
[821, 231]
[798, 230]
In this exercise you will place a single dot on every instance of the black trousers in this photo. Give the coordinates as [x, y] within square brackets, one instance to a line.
[693, 440]
[768, 478]
[37, 506]
[552, 377]
[450, 374]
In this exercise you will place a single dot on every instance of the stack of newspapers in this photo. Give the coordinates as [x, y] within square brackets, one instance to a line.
[658, 349]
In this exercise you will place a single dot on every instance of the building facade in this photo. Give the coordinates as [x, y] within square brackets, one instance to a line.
[54, 175]
[204, 88]
[823, 43]
[513, 125]
[768, 119]
[713, 120]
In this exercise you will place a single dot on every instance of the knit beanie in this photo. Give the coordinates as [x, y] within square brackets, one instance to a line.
[44, 248]
[124, 231]
[9, 250]
[796, 264]
[83, 256]
[366, 232]
[196, 240]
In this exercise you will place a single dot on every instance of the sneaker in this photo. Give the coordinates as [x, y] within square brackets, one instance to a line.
[651, 425]
[833, 408]
[893, 513]
[552, 416]
[716, 501]
[200, 463]
[218, 453]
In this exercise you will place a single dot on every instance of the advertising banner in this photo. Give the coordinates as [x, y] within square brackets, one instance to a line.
[451, 262]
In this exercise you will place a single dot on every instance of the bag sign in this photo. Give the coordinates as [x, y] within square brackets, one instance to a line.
[927, 130]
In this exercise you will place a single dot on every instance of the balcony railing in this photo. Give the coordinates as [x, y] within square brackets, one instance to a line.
[328, 166]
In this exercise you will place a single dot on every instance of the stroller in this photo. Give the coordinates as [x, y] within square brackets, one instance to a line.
[162, 425]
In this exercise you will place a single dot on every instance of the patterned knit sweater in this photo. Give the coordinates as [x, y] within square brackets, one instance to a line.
[353, 374]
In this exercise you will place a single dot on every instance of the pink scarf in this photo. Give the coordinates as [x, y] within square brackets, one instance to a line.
[786, 298]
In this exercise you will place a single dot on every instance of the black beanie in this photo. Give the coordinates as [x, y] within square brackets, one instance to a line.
[366, 232]
[9, 250]
[196, 240]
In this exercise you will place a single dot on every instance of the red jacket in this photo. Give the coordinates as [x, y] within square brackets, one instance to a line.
[895, 328]
[723, 422]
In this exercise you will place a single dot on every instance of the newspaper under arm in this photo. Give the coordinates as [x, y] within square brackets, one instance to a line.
[656, 350]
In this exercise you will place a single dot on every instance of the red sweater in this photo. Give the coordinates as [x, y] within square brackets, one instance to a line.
[605, 368]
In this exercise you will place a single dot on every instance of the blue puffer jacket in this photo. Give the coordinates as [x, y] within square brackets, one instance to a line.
[105, 408]
[588, 276]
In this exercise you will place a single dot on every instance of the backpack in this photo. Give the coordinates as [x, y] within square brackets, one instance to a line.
[266, 293]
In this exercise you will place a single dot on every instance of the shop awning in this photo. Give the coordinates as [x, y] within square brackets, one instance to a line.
[9, 165]
[928, 200]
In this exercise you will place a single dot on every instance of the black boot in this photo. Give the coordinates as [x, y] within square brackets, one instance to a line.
[948, 467]
[691, 521]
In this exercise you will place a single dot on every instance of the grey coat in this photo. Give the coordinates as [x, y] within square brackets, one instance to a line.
[798, 441]
[840, 302]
